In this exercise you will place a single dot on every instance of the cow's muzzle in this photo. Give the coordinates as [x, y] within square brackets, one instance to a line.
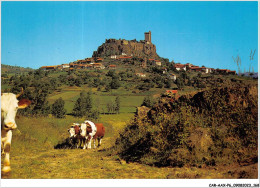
[10, 126]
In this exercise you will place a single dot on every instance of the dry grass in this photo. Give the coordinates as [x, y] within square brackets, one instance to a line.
[33, 156]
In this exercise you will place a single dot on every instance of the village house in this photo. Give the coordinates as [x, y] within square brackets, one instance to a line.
[124, 57]
[164, 70]
[157, 63]
[99, 60]
[65, 66]
[48, 67]
[73, 65]
[98, 66]
[112, 67]
[172, 76]
[59, 67]
[113, 56]
[89, 60]
[179, 67]
[195, 68]
[206, 70]
[225, 71]
[89, 66]
[141, 75]
[171, 92]
[188, 65]
[231, 72]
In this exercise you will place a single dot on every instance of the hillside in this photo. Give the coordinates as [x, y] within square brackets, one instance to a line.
[117, 47]
[14, 69]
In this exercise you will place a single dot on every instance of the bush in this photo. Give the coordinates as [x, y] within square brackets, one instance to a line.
[211, 127]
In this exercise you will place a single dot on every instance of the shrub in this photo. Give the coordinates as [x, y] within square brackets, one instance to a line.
[211, 127]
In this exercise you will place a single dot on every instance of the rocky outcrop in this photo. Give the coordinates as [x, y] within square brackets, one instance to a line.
[128, 47]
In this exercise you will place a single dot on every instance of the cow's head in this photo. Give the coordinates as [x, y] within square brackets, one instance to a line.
[71, 131]
[9, 107]
[74, 130]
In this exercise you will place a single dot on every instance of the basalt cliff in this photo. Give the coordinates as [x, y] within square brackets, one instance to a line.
[133, 48]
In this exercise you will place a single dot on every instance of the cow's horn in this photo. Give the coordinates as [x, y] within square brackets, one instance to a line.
[18, 95]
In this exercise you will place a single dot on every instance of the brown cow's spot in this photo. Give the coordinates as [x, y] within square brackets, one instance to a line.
[89, 129]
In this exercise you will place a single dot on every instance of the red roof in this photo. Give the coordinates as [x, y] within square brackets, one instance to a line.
[48, 67]
[196, 68]
[179, 66]
[171, 91]
[125, 57]
[112, 65]
[97, 64]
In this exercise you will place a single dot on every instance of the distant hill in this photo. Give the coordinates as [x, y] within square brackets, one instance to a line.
[14, 69]
[249, 74]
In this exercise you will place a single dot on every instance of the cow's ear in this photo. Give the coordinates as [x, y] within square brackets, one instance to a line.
[23, 103]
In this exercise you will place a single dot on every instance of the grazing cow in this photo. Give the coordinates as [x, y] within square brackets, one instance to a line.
[75, 136]
[9, 107]
[90, 131]
[100, 134]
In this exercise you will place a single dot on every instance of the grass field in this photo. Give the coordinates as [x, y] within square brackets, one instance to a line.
[129, 101]
[33, 155]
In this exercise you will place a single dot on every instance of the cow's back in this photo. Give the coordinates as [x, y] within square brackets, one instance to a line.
[100, 130]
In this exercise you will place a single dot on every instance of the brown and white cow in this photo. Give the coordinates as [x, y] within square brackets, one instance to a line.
[75, 136]
[90, 131]
[9, 107]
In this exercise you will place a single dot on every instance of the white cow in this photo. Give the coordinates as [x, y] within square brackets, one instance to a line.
[9, 107]
[88, 130]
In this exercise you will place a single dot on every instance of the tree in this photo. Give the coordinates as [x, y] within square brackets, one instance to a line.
[114, 84]
[117, 106]
[57, 108]
[88, 102]
[179, 83]
[83, 105]
[78, 108]
[147, 102]
[168, 83]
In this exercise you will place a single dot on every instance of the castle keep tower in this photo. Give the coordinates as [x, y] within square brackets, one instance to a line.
[148, 37]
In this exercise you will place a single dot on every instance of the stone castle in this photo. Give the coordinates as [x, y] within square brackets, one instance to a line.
[143, 48]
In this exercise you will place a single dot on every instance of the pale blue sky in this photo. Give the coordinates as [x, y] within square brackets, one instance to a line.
[34, 34]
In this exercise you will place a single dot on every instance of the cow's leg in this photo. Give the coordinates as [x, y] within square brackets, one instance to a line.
[99, 141]
[94, 142]
[89, 142]
[85, 143]
[7, 147]
[79, 144]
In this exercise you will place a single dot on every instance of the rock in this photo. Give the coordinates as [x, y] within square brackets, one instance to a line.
[132, 47]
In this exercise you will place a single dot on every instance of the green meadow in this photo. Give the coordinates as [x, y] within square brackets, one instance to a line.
[128, 100]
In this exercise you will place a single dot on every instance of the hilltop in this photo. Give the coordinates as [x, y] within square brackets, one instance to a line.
[135, 48]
